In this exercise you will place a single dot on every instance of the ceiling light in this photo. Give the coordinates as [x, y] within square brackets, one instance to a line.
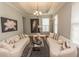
[40, 13]
[34, 13]
[37, 12]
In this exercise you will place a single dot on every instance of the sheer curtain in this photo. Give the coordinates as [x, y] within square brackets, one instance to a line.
[75, 23]
[56, 24]
[75, 33]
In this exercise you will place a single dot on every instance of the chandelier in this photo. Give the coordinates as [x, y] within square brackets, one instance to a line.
[37, 12]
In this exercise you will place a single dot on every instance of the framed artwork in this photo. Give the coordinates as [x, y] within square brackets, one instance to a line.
[35, 25]
[8, 24]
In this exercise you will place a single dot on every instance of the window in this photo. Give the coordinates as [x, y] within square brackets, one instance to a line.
[75, 29]
[45, 24]
[56, 24]
[75, 33]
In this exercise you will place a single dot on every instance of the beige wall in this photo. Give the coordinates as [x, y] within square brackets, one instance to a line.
[64, 20]
[9, 12]
[27, 28]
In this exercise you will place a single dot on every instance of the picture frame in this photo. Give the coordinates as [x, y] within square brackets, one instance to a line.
[8, 25]
[35, 25]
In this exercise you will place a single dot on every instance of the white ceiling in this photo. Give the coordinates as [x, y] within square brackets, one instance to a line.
[47, 8]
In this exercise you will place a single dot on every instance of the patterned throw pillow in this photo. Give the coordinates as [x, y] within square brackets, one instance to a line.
[20, 36]
[56, 36]
[16, 38]
[66, 44]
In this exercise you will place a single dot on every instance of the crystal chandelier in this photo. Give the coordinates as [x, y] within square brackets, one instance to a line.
[37, 12]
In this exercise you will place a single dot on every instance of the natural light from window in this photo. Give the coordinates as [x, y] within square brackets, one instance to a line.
[75, 29]
[75, 33]
[45, 24]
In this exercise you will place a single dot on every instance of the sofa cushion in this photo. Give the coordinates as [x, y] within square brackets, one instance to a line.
[12, 40]
[68, 52]
[54, 47]
[6, 46]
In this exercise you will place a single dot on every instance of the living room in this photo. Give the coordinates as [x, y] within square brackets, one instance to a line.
[39, 29]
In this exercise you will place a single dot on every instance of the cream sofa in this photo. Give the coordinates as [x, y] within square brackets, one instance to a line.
[14, 46]
[55, 47]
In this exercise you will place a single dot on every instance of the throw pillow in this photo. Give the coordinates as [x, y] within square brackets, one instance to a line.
[23, 36]
[51, 35]
[16, 39]
[56, 36]
[67, 44]
[20, 36]
[12, 45]
[26, 36]
[11, 42]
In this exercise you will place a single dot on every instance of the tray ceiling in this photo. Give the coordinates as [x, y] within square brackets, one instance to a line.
[47, 8]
